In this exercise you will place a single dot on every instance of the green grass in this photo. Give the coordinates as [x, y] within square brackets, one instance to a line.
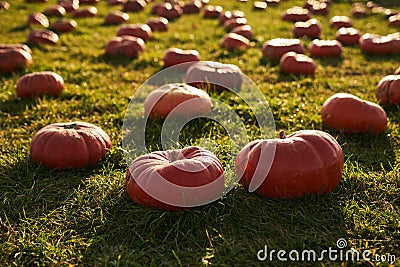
[84, 217]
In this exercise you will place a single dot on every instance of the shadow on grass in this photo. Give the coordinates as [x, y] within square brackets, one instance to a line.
[328, 61]
[19, 28]
[235, 227]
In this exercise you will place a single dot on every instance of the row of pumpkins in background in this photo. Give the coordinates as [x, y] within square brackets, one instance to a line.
[79, 144]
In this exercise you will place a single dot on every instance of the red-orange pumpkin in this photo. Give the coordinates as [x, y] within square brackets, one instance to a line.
[308, 162]
[348, 113]
[319, 8]
[234, 22]
[158, 24]
[115, 2]
[69, 5]
[13, 57]
[272, 2]
[4, 5]
[37, 19]
[310, 28]
[63, 25]
[298, 64]
[139, 30]
[325, 48]
[388, 90]
[181, 99]
[55, 10]
[128, 46]
[380, 45]
[348, 36]
[169, 11]
[295, 14]
[69, 145]
[134, 5]
[244, 31]
[88, 2]
[85, 12]
[175, 56]
[276, 48]
[192, 7]
[394, 20]
[340, 21]
[175, 179]
[234, 41]
[258, 5]
[116, 17]
[40, 83]
[216, 75]
[359, 11]
[42, 37]
[212, 12]
[230, 15]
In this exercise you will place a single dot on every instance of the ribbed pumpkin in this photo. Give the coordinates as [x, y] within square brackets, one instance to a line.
[127, 46]
[276, 48]
[175, 56]
[350, 114]
[308, 162]
[298, 64]
[69, 145]
[14, 56]
[388, 90]
[40, 83]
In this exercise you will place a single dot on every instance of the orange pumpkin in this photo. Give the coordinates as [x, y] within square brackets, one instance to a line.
[55, 10]
[13, 57]
[86, 12]
[295, 14]
[37, 19]
[306, 162]
[139, 30]
[388, 90]
[350, 114]
[234, 41]
[276, 48]
[212, 12]
[348, 36]
[310, 28]
[42, 37]
[230, 15]
[298, 64]
[181, 99]
[325, 48]
[245, 31]
[340, 21]
[192, 7]
[40, 83]
[127, 46]
[69, 5]
[175, 56]
[134, 5]
[380, 45]
[116, 17]
[159, 24]
[63, 25]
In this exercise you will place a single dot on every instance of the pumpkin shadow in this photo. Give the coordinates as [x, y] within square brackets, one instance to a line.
[240, 221]
[329, 61]
[18, 28]
[16, 106]
[380, 58]
[393, 113]
[114, 61]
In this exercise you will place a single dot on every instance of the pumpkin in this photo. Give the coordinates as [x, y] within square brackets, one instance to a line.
[175, 179]
[212, 12]
[272, 2]
[69, 145]
[276, 48]
[348, 36]
[390, 12]
[86, 12]
[310, 28]
[372, 4]
[298, 64]
[340, 21]
[134, 5]
[55, 10]
[215, 75]
[69, 5]
[380, 45]
[359, 11]
[175, 56]
[139, 30]
[128, 46]
[388, 90]
[394, 20]
[158, 24]
[13, 57]
[319, 8]
[115, 2]
[116, 17]
[192, 7]
[397, 71]
[169, 11]
[325, 48]
[40, 83]
[350, 114]
[258, 5]
[63, 25]
[4, 5]
[181, 99]
[295, 14]
[234, 22]
[37, 19]
[88, 2]
[307, 162]
[42, 37]
[234, 41]
[230, 15]
[245, 31]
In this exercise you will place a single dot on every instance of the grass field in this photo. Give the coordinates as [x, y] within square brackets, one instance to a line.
[84, 217]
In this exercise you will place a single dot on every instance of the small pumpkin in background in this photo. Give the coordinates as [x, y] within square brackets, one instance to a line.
[37, 19]
[212, 12]
[298, 64]
[245, 31]
[340, 21]
[63, 25]
[276, 48]
[55, 11]
[348, 36]
[175, 56]
[175, 179]
[380, 45]
[223, 17]
[128, 46]
[69, 5]
[325, 48]
[181, 99]
[85, 12]
[69, 145]
[234, 41]
[139, 30]
[308, 162]
[350, 114]
[40, 83]
[234, 22]
[192, 7]
[388, 90]
[134, 5]
[159, 24]
[14, 56]
[310, 28]
[296, 13]
[169, 11]
[116, 17]
[42, 37]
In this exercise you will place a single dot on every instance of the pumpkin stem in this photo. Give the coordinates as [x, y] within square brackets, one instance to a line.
[70, 126]
[282, 134]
